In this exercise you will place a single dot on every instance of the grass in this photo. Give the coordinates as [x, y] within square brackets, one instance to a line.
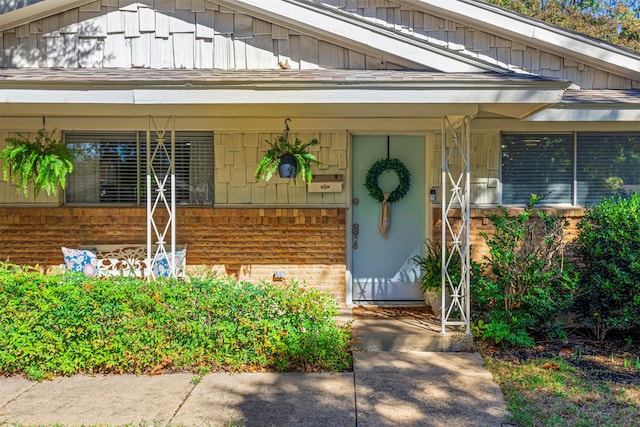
[579, 390]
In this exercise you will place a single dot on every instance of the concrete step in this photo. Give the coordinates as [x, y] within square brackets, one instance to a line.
[453, 341]
[404, 329]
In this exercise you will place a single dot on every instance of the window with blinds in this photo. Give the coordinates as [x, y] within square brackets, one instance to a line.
[608, 163]
[110, 168]
[538, 164]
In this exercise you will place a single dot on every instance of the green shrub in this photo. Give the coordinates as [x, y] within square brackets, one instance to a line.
[60, 325]
[525, 282]
[608, 245]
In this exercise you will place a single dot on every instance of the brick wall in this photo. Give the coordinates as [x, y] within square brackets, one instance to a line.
[248, 243]
[481, 223]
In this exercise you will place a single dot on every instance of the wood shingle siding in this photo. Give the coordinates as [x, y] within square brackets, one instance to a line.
[169, 34]
[478, 44]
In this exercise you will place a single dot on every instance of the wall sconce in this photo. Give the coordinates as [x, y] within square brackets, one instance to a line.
[433, 195]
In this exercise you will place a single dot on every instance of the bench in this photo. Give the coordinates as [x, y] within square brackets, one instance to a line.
[121, 260]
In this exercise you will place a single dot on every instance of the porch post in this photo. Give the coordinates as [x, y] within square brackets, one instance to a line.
[161, 193]
[456, 186]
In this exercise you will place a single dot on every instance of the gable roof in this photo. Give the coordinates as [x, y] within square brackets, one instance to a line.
[344, 29]
[536, 33]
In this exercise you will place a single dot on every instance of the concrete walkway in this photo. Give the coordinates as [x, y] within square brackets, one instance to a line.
[386, 388]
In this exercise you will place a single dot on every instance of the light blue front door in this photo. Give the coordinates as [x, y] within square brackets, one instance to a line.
[381, 268]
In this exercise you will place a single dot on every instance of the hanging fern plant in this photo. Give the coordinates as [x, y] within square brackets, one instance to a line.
[45, 162]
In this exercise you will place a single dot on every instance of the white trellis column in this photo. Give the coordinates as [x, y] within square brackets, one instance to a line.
[456, 178]
[161, 192]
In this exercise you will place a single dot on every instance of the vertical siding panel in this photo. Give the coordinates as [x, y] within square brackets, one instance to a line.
[223, 23]
[117, 51]
[545, 61]
[146, 20]
[165, 5]
[294, 52]
[357, 61]
[374, 63]
[115, 21]
[203, 53]
[259, 51]
[240, 54]
[141, 51]
[90, 52]
[223, 56]
[162, 25]
[35, 27]
[22, 32]
[131, 24]
[94, 6]
[69, 22]
[282, 193]
[330, 56]
[456, 39]
[308, 53]
[183, 4]
[3, 60]
[297, 195]
[258, 194]
[51, 26]
[162, 52]
[183, 44]
[204, 24]
[261, 28]
[182, 22]
[198, 6]
[242, 26]
[282, 51]
[54, 47]
[92, 24]
[23, 52]
[279, 33]
[481, 41]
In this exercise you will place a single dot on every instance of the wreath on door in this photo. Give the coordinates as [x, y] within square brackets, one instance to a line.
[392, 165]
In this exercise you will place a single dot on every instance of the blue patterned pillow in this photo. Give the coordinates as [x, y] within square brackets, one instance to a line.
[160, 266]
[81, 260]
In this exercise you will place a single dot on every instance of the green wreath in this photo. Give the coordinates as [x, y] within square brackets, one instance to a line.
[394, 165]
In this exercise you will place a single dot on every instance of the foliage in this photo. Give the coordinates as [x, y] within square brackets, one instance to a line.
[281, 147]
[609, 248]
[614, 21]
[431, 267]
[45, 161]
[395, 165]
[60, 325]
[525, 281]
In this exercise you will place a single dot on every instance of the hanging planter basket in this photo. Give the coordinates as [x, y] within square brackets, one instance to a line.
[287, 166]
[289, 158]
[43, 162]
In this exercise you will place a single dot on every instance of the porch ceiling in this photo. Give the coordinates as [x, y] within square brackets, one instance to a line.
[369, 93]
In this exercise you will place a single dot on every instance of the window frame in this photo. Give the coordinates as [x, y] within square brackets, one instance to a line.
[575, 159]
[139, 143]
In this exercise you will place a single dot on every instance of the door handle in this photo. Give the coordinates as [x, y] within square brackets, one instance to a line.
[356, 231]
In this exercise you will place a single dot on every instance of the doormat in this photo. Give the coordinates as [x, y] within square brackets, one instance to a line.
[420, 313]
